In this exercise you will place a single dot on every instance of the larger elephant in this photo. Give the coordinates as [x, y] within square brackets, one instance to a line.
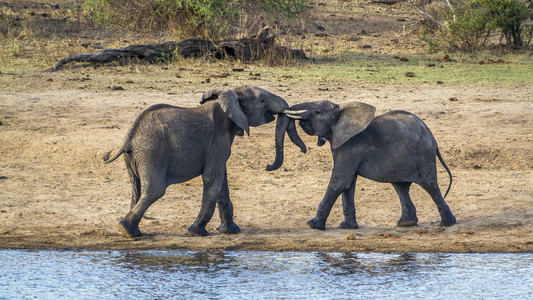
[168, 144]
[396, 147]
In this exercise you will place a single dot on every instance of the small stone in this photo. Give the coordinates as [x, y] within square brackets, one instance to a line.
[117, 88]
[453, 99]
[410, 74]
[404, 59]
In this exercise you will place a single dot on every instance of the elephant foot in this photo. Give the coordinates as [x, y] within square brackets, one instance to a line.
[129, 230]
[349, 224]
[229, 228]
[407, 222]
[448, 221]
[197, 231]
[316, 224]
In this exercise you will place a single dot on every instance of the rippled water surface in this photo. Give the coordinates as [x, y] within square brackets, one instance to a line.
[258, 275]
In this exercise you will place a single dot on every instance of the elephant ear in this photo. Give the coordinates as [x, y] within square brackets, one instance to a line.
[229, 101]
[353, 118]
[211, 95]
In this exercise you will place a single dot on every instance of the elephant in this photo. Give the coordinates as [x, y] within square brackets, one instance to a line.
[396, 147]
[168, 144]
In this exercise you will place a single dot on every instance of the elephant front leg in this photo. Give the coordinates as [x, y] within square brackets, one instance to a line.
[212, 185]
[339, 182]
[348, 208]
[225, 210]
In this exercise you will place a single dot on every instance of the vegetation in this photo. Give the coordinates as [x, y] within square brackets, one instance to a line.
[203, 18]
[471, 24]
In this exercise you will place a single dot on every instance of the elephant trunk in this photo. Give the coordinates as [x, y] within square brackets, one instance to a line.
[283, 124]
[281, 128]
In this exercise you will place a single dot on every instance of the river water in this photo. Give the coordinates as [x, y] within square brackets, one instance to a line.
[262, 275]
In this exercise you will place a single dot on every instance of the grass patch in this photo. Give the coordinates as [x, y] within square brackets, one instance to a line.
[426, 69]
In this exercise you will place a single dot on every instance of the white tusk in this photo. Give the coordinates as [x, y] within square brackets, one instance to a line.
[293, 112]
[297, 117]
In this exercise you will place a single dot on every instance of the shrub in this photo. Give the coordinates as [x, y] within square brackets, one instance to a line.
[203, 18]
[472, 23]
[475, 20]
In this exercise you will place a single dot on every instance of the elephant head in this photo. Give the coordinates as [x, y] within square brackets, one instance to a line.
[252, 106]
[334, 122]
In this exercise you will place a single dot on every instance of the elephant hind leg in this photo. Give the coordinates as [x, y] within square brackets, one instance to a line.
[408, 217]
[134, 180]
[446, 215]
[152, 190]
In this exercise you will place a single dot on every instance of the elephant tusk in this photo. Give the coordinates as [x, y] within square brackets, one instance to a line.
[293, 112]
[297, 117]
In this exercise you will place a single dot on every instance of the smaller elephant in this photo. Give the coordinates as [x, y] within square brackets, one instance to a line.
[396, 147]
[168, 144]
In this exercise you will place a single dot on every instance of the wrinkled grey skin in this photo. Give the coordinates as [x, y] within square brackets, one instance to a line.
[396, 147]
[169, 144]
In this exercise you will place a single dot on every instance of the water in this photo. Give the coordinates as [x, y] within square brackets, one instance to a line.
[262, 275]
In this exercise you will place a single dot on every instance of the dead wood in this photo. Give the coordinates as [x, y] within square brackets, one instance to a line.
[390, 2]
[259, 46]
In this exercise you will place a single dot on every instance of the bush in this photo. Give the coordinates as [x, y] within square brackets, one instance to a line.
[475, 20]
[203, 18]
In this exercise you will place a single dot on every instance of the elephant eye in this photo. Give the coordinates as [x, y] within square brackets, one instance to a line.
[318, 113]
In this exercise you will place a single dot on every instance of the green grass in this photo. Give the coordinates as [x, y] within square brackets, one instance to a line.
[388, 69]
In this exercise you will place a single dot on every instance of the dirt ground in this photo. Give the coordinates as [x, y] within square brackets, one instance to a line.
[56, 194]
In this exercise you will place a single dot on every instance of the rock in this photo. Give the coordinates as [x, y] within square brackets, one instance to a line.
[404, 59]
[367, 46]
[117, 88]
[453, 99]
[410, 74]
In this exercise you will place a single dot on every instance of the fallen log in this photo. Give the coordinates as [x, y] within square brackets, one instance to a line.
[247, 49]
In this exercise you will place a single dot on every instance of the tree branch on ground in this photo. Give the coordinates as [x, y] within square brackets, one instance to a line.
[259, 46]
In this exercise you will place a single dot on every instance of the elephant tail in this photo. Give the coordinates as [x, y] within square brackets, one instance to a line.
[447, 170]
[106, 159]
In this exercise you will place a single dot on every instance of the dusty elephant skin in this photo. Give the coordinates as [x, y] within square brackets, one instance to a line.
[396, 147]
[168, 144]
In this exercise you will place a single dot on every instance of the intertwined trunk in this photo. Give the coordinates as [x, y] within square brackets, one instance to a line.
[283, 124]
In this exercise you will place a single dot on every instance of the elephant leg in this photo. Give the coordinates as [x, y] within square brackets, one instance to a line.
[134, 180]
[408, 217]
[213, 182]
[348, 207]
[225, 209]
[152, 190]
[446, 216]
[340, 181]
